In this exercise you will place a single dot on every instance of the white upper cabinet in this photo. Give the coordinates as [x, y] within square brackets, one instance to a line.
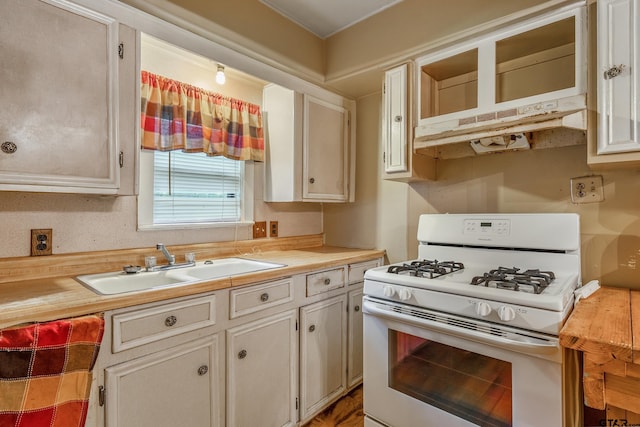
[617, 76]
[310, 153]
[529, 72]
[59, 127]
[400, 162]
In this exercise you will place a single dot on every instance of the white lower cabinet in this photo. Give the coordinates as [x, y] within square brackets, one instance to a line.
[178, 386]
[262, 372]
[323, 343]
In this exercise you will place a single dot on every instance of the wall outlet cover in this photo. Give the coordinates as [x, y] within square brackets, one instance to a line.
[259, 229]
[273, 228]
[587, 189]
[41, 241]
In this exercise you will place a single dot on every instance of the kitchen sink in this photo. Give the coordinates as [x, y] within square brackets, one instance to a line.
[120, 282]
[227, 267]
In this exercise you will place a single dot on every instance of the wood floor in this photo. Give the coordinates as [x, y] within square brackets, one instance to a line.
[346, 412]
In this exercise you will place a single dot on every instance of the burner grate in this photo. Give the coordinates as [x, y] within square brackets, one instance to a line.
[513, 279]
[427, 268]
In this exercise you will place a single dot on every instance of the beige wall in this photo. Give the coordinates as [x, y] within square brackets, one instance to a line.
[532, 181]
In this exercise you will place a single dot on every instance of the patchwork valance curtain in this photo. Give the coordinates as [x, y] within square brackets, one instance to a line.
[178, 116]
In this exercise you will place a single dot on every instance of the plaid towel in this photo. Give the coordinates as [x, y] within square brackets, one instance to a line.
[45, 372]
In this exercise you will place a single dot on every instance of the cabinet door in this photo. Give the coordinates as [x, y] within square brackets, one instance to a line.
[60, 132]
[326, 154]
[395, 120]
[354, 353]
[323, 343]
[261, 372]
[617, 74]
[178, 386]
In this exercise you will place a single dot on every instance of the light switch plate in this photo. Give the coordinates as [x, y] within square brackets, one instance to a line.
[587, 189]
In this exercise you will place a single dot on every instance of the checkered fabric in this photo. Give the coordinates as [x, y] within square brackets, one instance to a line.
[178, 116]
[45, 372]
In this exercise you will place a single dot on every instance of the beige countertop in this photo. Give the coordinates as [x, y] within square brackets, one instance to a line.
[56, 297]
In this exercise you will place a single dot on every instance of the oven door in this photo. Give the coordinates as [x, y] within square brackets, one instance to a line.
[425, 368]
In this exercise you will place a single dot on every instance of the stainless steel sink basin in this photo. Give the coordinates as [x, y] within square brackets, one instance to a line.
[121, 282]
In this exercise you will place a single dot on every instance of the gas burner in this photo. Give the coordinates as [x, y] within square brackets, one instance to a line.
[513, 279]
[427, 268]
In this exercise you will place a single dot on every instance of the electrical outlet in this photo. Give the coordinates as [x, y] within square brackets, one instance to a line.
[41, 241]
[587, 189]
[273, 228]
[259, 229]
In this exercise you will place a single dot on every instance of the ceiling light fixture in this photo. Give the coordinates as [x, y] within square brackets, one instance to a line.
[220, 78]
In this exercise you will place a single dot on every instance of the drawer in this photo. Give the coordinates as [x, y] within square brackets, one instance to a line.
[356, 271]
[135, 328]
[324, 281]
[260, 297]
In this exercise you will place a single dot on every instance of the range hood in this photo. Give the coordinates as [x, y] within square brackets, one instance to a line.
[504, 130]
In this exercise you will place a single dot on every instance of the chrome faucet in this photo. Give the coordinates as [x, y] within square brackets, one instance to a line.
[170, 258]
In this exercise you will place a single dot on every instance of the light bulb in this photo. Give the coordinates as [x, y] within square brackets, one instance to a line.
[220, 78]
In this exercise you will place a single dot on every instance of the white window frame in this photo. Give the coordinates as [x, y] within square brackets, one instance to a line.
[145, 200]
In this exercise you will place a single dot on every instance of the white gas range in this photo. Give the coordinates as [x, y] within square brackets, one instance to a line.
[490, 289]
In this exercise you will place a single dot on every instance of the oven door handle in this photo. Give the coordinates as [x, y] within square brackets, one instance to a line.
[527, 344]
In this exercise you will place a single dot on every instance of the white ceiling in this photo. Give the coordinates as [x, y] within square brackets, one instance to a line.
[327, 17]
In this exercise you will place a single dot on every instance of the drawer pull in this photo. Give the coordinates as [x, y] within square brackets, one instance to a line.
[356, 308]
[242, 354]
[312, 328]
[202, 370]
[327, 281]
[170, 321]
[264, 297]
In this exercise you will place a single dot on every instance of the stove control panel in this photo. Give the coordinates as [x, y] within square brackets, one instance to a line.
[487, 227]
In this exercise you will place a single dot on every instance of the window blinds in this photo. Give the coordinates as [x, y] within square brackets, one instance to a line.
[194, 187]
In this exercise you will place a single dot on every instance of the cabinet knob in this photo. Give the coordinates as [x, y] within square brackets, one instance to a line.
[202, 370]
[614, 71]
[327, 281]
[397, 119]
[312, 328]
[312, 180]
[264, 297]
[242, 354]
[8, 147]
[356, 308]
[170, 321]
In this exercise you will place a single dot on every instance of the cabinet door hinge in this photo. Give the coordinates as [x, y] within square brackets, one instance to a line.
[296, 325]
[121, 159]
[101, 395]
[121, 50]
[296, 403]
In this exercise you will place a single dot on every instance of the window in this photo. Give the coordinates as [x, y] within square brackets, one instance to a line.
[179, 190]
[193, 187]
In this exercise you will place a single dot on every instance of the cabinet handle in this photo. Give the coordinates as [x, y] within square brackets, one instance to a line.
[170, 321]
[242, 354]
[264, 297]
[202, 370]
[312, 180]
[8, 147]
[356, 308]
[614, 71]
[327, 281]
[312, 328]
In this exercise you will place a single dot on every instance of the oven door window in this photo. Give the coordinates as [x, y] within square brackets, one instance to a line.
[471, 386]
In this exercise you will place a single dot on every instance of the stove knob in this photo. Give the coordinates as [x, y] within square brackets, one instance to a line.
[506, 313]
[404, 294]
[388, 291]
[483, 309]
